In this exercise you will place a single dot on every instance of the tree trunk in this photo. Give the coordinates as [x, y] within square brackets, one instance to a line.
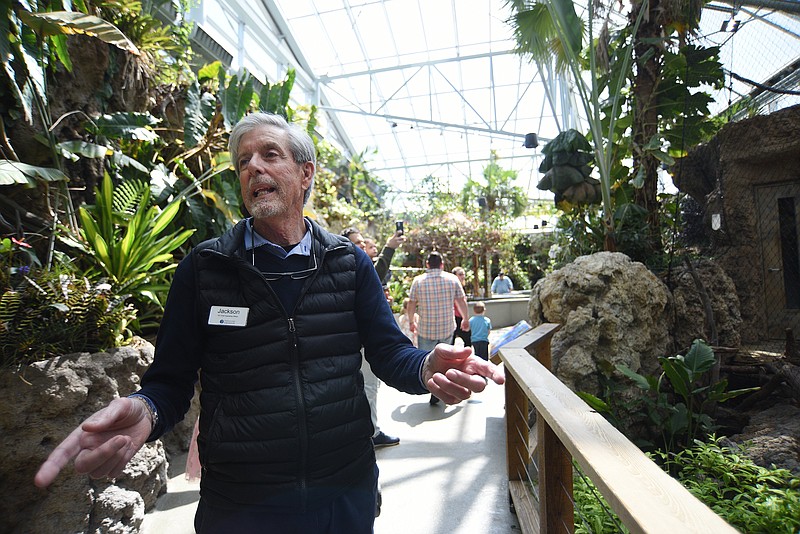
[648, 64]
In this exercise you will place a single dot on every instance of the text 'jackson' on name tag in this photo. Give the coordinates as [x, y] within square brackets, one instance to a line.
[228, 316]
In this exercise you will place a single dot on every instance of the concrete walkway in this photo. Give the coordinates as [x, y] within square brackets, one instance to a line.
[447, 475]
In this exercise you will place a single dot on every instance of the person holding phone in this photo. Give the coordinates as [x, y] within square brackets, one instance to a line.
[383, 261]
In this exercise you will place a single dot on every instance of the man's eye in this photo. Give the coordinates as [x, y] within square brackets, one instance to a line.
[243, 162]
[271, 154]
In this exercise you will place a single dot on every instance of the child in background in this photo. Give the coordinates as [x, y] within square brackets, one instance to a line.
[405, 324]
[480, 326]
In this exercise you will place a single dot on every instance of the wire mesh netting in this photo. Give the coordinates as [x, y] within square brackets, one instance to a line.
[745, 187]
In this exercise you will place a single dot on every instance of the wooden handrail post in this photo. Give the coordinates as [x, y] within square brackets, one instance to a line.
[516, 430]
[556, 510]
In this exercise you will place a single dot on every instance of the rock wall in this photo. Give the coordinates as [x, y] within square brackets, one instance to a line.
[39, 405]
[721, 176]
[772, 438]
[689, 308]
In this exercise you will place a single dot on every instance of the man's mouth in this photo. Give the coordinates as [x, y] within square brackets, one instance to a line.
[263, 189]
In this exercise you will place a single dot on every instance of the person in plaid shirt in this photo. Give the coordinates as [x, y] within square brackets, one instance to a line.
[433, 296]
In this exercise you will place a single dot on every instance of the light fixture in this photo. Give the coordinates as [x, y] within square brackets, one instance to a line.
[531, 141]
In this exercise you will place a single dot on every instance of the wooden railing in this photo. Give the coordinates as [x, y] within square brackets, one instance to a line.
[644, 497]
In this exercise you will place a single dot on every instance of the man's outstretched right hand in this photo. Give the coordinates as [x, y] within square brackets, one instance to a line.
[103, 444]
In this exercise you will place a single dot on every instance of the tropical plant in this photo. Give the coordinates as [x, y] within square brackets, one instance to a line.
[749, 497]
[128, 244]
[33, 44]
[592, 515]
[165, 51]
[334, 198]
[564, 34]
[641, 99]
[36, 36]
[567, 170]
[495, 198]
[678, 397]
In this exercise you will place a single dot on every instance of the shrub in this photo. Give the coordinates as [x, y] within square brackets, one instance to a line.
[749, 497]
[49, 313]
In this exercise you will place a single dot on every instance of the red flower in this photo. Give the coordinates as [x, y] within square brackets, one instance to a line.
[20, 242]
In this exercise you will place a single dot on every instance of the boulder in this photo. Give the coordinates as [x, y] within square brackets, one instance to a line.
[39, 405]
[772, 438]
[612, 311]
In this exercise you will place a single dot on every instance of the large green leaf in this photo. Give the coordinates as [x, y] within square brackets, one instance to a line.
[165, 217]
[638, 379]
[131, 126]
[236, 98]
[572, 25]
[69, 149]
[35, 70]
[121, 160]
[678, 375]
[59, 44]
[595, 403]
[75, 23]
[89, 227]
[11, 74]
[199, 110]
[14, 172]
[274, 98]
[212, 71]
[700, 358]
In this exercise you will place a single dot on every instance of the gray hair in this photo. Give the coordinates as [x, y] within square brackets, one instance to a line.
[300, 143]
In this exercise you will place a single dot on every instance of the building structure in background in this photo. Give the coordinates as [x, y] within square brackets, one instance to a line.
[431, 87]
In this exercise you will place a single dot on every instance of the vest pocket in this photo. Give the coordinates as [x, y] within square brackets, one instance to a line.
[212, 438]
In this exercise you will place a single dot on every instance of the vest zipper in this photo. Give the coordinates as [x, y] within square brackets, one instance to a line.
[301, 411]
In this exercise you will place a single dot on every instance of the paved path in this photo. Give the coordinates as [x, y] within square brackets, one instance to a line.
[447, 476]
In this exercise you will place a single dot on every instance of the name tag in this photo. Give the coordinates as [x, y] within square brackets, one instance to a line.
[228, 316]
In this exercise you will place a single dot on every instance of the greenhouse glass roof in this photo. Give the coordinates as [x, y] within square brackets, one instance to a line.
[432, 87]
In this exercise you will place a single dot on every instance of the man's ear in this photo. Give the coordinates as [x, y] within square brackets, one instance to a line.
[308, 174]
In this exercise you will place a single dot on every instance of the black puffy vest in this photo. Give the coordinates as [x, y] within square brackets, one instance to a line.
[284, 420]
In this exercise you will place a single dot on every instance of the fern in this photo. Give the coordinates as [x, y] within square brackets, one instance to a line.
[128, 195]
[59, 314]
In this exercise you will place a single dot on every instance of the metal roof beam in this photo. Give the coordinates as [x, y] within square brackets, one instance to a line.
[303, 65]
[453, 162]
[786, 6]
[369, 72]
[449, 126]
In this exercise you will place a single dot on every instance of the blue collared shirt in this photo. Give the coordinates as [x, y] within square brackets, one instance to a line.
[253, 240]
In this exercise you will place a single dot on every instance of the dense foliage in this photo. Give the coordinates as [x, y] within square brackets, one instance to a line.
[644, 91]
[48, 313]
[751, 498]
[149, 176]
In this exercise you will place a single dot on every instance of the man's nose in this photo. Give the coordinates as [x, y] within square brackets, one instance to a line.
[257, 163]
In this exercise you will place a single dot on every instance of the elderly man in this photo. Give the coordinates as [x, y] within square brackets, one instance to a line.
[272, 315]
